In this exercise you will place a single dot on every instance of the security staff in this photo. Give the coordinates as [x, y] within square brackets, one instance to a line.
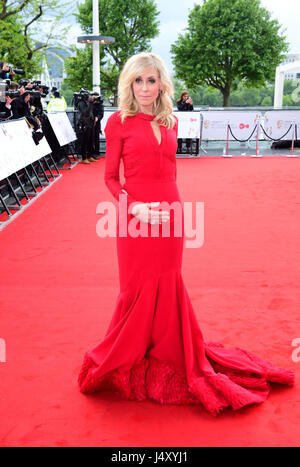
[57, 103]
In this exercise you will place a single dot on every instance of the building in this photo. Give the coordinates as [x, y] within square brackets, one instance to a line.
[53, 72]
[290, 58]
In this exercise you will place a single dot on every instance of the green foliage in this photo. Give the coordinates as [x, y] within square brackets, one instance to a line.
[229, 41]
[133, 23]
[27, 27]
[267, 102]
[67, 93]
[13, 48]
[243, 96]
[79, 69]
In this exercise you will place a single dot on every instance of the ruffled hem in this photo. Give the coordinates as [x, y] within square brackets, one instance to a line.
[153, 379]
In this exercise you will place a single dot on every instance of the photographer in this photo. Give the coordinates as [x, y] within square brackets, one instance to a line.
[21, 108]
[185, 104]
[85, 125]
[7, 72]
[11, 92]
[98, 111]
[5, 108]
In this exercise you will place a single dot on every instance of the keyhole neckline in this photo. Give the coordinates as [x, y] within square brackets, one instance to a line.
[154, 135]
[145, 116]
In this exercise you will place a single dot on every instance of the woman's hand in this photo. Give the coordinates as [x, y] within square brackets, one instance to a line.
[145, 213]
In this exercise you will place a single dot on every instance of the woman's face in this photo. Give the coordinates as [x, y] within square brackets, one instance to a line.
[185, 96]
[146, 88]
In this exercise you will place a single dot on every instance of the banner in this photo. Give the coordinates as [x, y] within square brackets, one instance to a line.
[242, 124]
[17, 147]
[103, 122]
[43, 148]
[277, 123]
[189, 124]
[62, 127]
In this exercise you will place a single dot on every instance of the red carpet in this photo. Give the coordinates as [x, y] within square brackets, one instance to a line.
[59, 283]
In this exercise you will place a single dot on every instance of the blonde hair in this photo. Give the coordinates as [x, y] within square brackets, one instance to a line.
[134, 66]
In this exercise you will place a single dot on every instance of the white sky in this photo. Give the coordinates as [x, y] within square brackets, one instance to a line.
[173, 20]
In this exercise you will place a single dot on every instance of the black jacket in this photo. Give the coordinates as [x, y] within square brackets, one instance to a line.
[98, 110]
[6, 75]
[3, 108]
[85, 114]
[184, 106]
[22, 109]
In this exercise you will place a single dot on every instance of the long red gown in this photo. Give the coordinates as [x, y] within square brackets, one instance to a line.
[153, 347]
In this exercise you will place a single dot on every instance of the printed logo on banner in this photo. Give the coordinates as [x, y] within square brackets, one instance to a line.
[188, 124]
[242, 125]
[279, 124]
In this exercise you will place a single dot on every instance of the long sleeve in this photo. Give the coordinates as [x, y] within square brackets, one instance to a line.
[185, 106]
[114, 143]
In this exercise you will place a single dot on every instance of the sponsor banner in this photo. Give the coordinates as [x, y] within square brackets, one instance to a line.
[62, 127]
[189, 124]
[242, 125]
[17, 147]
[278, 122]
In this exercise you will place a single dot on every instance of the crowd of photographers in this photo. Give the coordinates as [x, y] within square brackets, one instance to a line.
[22, 99]
[26, 99]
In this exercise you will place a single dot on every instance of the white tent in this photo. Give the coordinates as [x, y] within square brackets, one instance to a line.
[293, 67]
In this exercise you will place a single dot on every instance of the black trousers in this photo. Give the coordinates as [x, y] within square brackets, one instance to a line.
[86, 142]
[96, 132]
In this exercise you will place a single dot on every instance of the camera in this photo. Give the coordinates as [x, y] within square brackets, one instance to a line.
[45, 90]
[18, 71]
[24, 82]
[97, 99]
[33, 93]
[12, 93]
[82, 95]
[5, 91]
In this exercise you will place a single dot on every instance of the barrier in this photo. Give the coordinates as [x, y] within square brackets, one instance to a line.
[243, 126]
[241, 123]
[189, 123]
[64, 135]
[62, 127]
[248, 126]
[19, 153]
[18, 148]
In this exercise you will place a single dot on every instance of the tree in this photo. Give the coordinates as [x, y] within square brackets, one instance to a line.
[27, 27]
[267, 102]
[13, 47]
[133, 23]
[228, 41]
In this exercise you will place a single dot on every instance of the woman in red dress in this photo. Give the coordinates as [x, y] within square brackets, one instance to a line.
[153, 347]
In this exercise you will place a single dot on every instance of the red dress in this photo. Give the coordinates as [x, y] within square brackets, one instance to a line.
[153, 347]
